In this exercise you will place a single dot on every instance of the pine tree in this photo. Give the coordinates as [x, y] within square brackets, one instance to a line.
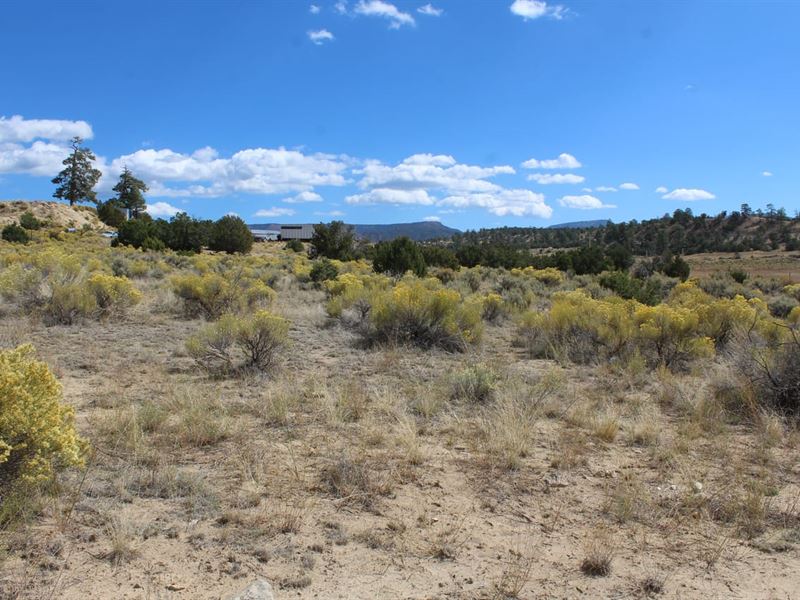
[130, 193]
[77, 180]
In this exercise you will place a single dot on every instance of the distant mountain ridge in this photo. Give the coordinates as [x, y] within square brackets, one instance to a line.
[581, 224]
[419, 231]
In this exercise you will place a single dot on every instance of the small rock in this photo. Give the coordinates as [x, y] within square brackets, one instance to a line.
[260, 589]
[697, 487]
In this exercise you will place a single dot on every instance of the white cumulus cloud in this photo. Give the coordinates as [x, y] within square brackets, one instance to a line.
[314, 9]
[430, 10]
[535, 9]
[584, 202]
[40, 158]
[628, 186]
[503, 202]
[392, 196]
[275, 211]
[385, 10]
[602, 188]
[688, 195]
[661, 190]
[161, 209]
[17, 129]
[303, 197]
[439, 180]
[548, 178]
[320, 37]
[249, 171]
[564, 161]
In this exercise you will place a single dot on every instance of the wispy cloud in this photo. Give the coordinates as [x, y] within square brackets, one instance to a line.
[549, 178]
[536, 9]
[314, 9]
[661, 190]
[688, 195]
[629, 186]
[303, 197]
[430, 10]
[604, 188]
[275, 211]
[384, 10]
[584, 202]
[432, 219]
[766, 173]
[564, 161]
[320, 37]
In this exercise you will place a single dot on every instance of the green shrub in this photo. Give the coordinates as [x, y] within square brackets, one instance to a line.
[474, 384]
[676, 267]
[295, 246]
[424, 314]
[398, 257]
[230, 234]
[37, 431]
[153, 244]
[212, 295]
[111, 213]
[28, 221]
[738, 275]
[233, 344]
[647, 291]
[335, 241]
[16, 234]
[781, 306]
[112, 294]
[323, 270]
[437, 256]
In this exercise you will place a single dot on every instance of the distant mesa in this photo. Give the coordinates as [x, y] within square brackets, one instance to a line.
[420, 231]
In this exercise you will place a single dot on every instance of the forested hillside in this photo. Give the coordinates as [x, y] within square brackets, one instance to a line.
[679, 233]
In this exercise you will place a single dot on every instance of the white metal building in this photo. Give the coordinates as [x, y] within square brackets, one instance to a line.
[266, 235]
[302, 232]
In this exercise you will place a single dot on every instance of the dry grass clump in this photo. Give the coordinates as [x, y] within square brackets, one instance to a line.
[628, 500]
[200, 421]
[514, 578]
[645, 430]
[606, 428]
[743, 505]
[599, 549]
[509, 429]
[407, 436]
[353, 482]
[122, 536]
[235, 344]
[475, 384]
[570, 450]
[447, 541]
[347, 402]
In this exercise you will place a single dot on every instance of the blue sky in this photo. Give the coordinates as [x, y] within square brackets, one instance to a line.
[492, 113]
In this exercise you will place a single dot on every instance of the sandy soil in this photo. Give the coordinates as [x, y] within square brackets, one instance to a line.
[444, 520]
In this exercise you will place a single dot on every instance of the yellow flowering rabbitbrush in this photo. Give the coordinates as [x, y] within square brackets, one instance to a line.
[37, 431]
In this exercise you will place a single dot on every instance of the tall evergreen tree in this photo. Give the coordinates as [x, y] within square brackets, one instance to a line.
[130, 193]
[77, 180]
